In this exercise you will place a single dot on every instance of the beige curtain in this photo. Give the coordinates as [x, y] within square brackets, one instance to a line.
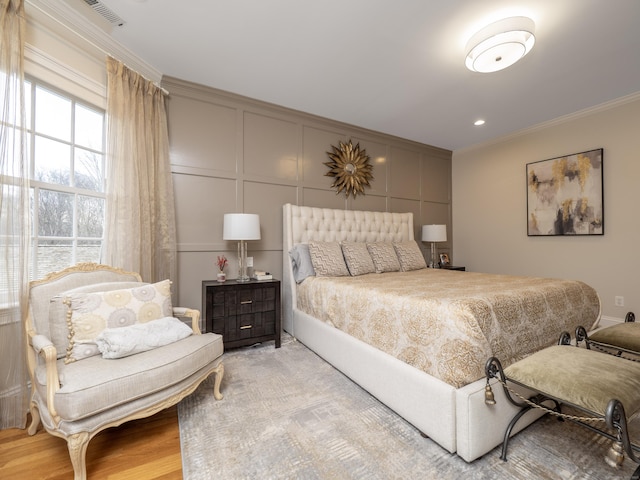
[140, 214]
[14, 217]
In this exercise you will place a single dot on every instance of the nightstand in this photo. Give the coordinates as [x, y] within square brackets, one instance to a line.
[453, 267]
[244, 313]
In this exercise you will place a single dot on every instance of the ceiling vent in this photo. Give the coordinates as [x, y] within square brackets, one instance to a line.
[105, 12]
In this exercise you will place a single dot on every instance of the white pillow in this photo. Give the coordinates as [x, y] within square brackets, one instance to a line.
[140, 337]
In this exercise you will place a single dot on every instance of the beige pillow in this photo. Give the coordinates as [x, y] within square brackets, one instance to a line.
[58, 327]
[409, 255]
[91, 313]
[357, 257]
[327, 259]
[384, 257]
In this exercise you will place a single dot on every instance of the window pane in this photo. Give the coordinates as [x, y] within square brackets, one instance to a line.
[27, 102]
[89, 170]
[89, 128]
[53, 255]
[53, 114]
[55, 214]
[90, 216]
[88, 251]
[52, 162]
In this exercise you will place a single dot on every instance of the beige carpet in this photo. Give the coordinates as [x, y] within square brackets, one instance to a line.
[287, 414]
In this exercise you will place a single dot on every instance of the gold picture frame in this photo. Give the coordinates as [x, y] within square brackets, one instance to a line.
[350, 167]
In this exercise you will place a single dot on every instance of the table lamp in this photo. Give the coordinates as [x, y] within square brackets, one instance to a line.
[241, 227]
[433, 234]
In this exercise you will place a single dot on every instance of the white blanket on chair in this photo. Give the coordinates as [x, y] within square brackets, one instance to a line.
[140, 337]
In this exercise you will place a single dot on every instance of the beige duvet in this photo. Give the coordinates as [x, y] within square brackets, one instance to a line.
[448, 323]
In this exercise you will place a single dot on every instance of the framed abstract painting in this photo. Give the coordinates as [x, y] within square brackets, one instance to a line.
[564, 195]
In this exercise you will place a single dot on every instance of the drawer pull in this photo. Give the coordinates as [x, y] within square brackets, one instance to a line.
[244, 327]
[246, 302]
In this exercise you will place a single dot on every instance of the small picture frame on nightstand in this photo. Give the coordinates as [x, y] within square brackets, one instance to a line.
[444, 259]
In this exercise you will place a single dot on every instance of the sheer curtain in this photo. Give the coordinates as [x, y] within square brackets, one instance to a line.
[140, 215]
[14, 217]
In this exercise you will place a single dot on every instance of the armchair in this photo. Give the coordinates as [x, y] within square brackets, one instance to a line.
[76, 398]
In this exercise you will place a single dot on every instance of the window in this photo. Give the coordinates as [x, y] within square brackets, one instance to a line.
[67, 168]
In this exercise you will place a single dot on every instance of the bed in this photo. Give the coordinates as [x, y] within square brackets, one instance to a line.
[458, 319]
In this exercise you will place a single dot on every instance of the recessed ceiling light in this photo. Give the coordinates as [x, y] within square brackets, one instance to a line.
[477, 123]
[500, 44]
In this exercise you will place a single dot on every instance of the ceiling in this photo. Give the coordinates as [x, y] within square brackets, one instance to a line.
[393, 67]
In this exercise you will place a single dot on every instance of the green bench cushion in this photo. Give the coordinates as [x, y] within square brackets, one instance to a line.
[624, 335]
[582, 377]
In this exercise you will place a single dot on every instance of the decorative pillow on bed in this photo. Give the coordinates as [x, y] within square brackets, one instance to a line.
[91, 313]
[327, 259]
[410, 256]
[301, 262]
[357, 257]
[384, 257]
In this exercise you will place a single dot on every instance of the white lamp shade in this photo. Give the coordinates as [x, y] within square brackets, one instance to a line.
[434, 233]
[241, 226]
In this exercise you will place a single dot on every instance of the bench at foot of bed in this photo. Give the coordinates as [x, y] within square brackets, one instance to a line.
[622, 340]
[605, 388]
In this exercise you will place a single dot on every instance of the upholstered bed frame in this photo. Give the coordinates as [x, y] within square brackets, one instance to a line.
[457, 419]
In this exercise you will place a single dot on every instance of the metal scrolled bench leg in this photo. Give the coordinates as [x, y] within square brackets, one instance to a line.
[494, 369]
[554, 375]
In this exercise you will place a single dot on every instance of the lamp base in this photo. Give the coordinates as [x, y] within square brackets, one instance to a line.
[242, 262]
[434, 262]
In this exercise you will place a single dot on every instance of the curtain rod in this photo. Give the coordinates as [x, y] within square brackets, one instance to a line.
[159, 87]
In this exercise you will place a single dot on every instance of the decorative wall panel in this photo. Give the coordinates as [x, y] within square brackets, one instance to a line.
[404, 173]
[200, 206]
[270, 147]
[233, 154]
[202, 134]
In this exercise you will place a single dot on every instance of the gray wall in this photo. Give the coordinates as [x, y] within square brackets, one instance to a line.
[233, 154]
[489, 204]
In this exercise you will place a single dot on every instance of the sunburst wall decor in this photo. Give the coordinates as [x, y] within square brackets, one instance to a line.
[350, 167]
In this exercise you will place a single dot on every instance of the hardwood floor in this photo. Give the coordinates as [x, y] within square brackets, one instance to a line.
[148, 448]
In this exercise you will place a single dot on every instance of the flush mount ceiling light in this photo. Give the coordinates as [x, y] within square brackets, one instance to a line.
[500, 44]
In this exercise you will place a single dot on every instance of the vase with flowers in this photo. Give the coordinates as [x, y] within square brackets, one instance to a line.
[221, 262]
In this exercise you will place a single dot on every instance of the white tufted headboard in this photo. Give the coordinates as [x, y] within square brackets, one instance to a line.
[304, 224]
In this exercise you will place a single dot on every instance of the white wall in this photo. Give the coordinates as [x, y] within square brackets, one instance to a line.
[489, 206]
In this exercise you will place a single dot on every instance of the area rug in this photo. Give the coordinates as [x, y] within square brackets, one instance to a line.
[287, 414]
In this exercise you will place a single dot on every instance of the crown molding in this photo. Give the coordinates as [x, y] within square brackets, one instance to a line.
[89, 27]
[633, 97]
